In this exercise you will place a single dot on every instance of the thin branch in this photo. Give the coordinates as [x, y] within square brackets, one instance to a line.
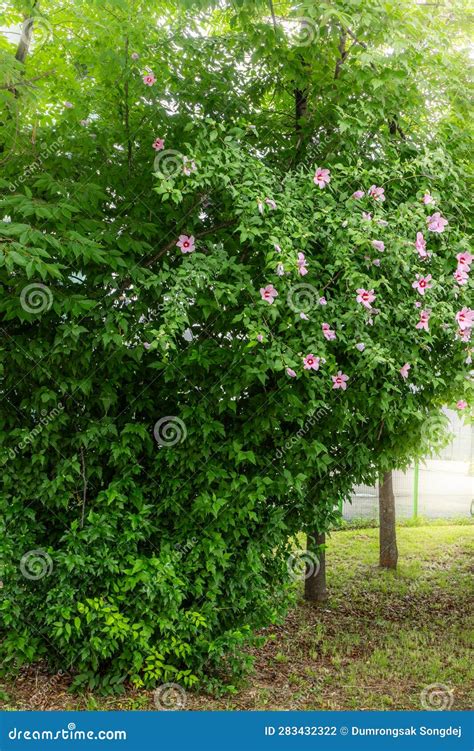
[204, 232]
[84, 486]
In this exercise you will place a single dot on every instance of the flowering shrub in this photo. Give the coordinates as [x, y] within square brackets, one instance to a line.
[234, 340]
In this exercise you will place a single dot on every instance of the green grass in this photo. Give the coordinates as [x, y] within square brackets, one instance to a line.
[381, 638]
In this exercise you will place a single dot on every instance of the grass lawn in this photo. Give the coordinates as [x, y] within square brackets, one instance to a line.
[381, 638]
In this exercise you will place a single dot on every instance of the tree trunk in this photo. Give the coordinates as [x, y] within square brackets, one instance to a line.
[387, 529]
[315, 578]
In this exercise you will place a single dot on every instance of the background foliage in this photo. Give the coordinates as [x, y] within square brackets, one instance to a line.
[156, 562]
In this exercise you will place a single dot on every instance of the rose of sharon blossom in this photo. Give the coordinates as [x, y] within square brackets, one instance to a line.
[378, 245]
[464, 335]
[422, 283]
[271, 203]
[68, 105]
[328, 333]
[427, 199]
[158, 144]
[311, 362]
[420, 245]
[376, 261]
[260, 338]
[339, 380]
[149, 79]
[465, 318]
[436, 222]
[378, 194]
[461, 276]
[404, 370]
[424, 319]
[134, 55]
[360, 346]
[185, 243]
[365, 297]
[322, 301]
[291, 372]
[358, 194]
[321, 177]
[277, 248]
[260, 206]
[461, 404]
[303, 316]
[280, 269]
[302, 264]
[464, 261]
[268, 293]
[146, 345]
[367, 216]
[189, 166]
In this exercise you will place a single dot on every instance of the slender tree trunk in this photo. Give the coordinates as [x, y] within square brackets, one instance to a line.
[315, 581]
[387, 529]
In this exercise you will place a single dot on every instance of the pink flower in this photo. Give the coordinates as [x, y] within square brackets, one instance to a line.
[185, 243]
[291, 372]
[277, 248]
[464, 335]
[271, 203]
[422, 283]
[304, 317]
[378, 245]
[404, 370]
[84, 123]
[149, 79]
[360, 346]
[260, 338]
[268, 293]
[382, 223]
[158, 144]
[465, 318]
[436, 223]
[427, 199]
[367, 216]
[322, 301]
[311, 362]
[376, 261]
[378, 194]
[302, 264]
[420, 245]
[424, 319]
[146, 345]
[366, 297]
[189, 166]
[339, 380]
[461, 404]
[358, 195]
[68, 105]
[280, 269]
[417, 304]
[328, 333]
[260, 207]
[461, 276]
[464, 261]
[322, 177]
[134, 55]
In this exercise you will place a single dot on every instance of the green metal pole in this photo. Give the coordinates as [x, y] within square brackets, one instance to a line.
[416, 482]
